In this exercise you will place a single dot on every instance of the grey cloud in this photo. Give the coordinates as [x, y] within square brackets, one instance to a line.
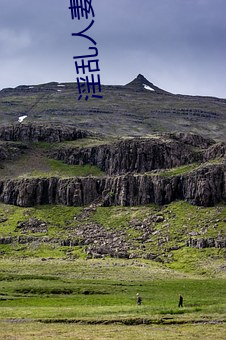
[179, 44]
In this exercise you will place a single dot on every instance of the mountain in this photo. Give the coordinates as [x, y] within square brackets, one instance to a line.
[140, 83]
[138, 108]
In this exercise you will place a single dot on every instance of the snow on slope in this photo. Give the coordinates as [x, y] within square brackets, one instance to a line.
[21, 118]
[148, 87]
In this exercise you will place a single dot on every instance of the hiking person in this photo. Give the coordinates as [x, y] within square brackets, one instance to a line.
[139, 299]
[180, 301]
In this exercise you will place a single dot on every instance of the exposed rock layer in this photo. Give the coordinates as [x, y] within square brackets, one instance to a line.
[191, 139]
[129, 160]
[218, 242]
[11, 151]
[131, 155]
[205, 186]
[35, 133]
[215, 151]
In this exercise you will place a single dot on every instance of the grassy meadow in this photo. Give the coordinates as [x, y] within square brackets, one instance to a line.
[96, 299]
[52, 291]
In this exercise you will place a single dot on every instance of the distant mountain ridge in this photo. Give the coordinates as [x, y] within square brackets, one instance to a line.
[138, 108]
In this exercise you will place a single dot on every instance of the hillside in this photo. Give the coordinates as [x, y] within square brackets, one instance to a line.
[82, 193]
[136, 109]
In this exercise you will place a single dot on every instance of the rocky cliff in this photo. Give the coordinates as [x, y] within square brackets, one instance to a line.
[133, 167]
[132, 155]
[205, 186]
[215, 151]
[191, 139]
[37, 132]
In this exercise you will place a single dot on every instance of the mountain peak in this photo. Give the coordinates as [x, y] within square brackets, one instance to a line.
[140, 83]
[141, 77]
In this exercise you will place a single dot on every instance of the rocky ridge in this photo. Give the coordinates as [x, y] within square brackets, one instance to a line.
[205, 186]
[38, 132]
[134, 170]
[139, 155]
[142, 155]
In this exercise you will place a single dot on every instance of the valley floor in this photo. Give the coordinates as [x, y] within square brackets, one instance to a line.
[96, 299]
[36, 331]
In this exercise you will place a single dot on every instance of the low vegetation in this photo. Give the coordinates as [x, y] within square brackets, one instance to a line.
[35, 162]
[111, 332]
[180, 170]
[59, 293]
[121, 112]
[168, 240]
[60, 169]
[184, 169]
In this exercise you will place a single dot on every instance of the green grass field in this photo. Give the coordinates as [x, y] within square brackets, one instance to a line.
[38, 331]
[36, 162]
[62, 170]
[52, 291]
[96, 299]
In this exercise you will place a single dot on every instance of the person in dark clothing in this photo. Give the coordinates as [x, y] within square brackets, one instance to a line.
[180, 301]
[139, 299]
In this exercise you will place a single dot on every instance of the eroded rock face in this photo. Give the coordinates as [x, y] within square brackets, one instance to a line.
[201, 243]
[131, 156]
[144, 155]
[36, 133]
[192, 139]
[125, 163]
[215, 151]
[205, 186]
[10, 151]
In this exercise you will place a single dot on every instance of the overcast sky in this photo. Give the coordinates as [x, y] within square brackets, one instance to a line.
[179, 45]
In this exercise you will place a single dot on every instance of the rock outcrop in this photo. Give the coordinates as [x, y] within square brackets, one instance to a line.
[205, 186]
[219, 242]
[133, 168]
[11, 151]
[191, 139]
[37, 132]
[139, 155]
[215, 151]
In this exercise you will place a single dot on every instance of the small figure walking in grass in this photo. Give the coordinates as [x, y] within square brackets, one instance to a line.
[139, 299]
[180, 301]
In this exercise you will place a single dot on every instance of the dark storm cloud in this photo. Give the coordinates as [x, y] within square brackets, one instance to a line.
[177, 44]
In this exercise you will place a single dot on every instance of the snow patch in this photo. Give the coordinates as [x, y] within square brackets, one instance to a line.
[21, 118]
[148, 87]
[59, 90]
[61, 85]
[31, 87]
